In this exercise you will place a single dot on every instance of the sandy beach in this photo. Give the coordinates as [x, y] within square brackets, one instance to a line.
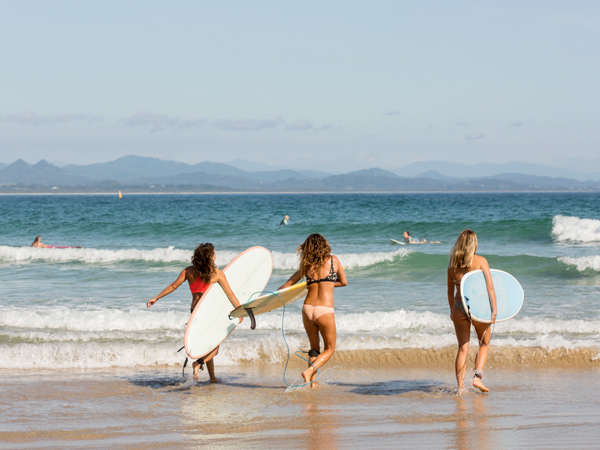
[252, 409]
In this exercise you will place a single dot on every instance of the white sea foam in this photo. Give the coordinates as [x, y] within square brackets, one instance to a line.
[574, 229]
[583, 263]
[243, 347]
[59, 337]
[106, 322]
[281, 261]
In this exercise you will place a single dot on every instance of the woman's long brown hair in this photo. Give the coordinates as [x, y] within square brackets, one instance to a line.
[314, 252]
[202, 262]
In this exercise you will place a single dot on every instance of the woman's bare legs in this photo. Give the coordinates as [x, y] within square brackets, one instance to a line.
[483, 335]
[326, 326]
[462, 328]
[210, 365]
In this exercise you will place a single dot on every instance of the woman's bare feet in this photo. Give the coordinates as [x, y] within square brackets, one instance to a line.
[461, 390]
[196, 366]
[215, 380]
[479, 384]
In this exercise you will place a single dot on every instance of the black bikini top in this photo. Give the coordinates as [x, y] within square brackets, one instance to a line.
[331, 276]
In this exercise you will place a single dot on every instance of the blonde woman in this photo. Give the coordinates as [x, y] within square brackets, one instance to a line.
[463, 260]
[323, 273]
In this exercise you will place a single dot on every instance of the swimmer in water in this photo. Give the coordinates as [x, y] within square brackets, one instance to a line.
[38, 242]
[410, 240]
[285, 220]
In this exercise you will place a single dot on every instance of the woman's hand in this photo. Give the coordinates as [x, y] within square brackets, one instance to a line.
[151, 302]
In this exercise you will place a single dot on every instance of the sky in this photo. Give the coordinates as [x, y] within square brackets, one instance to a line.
[332, 86]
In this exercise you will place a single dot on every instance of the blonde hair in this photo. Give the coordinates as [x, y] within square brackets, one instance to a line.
[314, 251]
[461, 255]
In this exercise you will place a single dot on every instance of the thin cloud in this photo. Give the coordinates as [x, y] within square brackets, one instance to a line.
[393, 113]
[305, 125]
[158, 122]
[476, 137]
[247, 124]
[517, 123]
[34, 119]
[461, 124]
[67, 118]
[26, 118]
[301, 125]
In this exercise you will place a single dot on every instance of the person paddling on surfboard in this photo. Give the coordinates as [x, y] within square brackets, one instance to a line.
[323, 272]
[408, 239]
[37, 242]
[463, 260]
[200, 275]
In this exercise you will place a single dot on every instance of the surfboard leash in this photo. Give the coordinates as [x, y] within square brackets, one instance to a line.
[288, 347]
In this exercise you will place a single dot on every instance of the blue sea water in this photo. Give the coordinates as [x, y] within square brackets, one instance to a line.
[85, 307]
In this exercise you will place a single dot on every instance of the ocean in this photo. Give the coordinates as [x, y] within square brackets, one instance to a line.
[85, 307]
[84, 364]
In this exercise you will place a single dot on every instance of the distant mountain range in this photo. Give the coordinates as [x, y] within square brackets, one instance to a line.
[143, 174]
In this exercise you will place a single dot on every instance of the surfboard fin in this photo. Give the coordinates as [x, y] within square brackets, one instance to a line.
[250, 313]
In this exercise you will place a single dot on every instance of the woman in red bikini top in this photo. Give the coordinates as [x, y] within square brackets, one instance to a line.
[200, 275]
[323, 273]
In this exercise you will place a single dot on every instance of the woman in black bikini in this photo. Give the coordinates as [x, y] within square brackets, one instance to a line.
[200, 275]
[323, 272]
[462, 260]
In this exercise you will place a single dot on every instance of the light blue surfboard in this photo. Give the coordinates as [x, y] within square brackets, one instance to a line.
[509, 296]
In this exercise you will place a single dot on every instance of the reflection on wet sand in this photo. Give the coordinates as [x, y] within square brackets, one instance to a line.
[322, 423]
[472, 428]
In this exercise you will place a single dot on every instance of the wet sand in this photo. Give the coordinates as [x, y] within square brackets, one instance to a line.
[252, 409]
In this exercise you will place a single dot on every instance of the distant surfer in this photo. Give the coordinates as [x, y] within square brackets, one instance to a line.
[200, 275]
[285, 220]
[37, 242]
[323, 272]
[463, 260]
[408, 239]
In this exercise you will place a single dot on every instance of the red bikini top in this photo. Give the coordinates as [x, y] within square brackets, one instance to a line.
[199, 286]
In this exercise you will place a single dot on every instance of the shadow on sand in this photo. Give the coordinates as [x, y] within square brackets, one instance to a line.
[395, 387]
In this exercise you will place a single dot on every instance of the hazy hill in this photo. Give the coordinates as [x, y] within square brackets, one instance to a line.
[457, 170]
[250, 166]
[152, 174]
[42, 173]
[127, 168]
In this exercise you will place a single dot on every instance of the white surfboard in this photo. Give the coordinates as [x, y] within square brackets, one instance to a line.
[394, 241]
[475, 299]
[209, 323]
[269, 302]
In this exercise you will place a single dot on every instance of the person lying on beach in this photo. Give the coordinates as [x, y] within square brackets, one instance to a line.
[323, 272]
[463, 260]
[408, 239]
[200, 275]
[38, 242]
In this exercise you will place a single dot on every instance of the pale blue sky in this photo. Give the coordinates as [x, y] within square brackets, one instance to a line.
[334, 85]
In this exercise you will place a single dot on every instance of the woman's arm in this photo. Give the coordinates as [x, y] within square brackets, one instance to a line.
[341, 275]
[222, 280]
[291, 281]
[451, 287]
[485, 268]
[170, 288]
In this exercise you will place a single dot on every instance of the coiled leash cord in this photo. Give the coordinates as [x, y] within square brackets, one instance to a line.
[288, 347]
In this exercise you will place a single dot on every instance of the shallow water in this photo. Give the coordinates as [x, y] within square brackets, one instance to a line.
[85, 308]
